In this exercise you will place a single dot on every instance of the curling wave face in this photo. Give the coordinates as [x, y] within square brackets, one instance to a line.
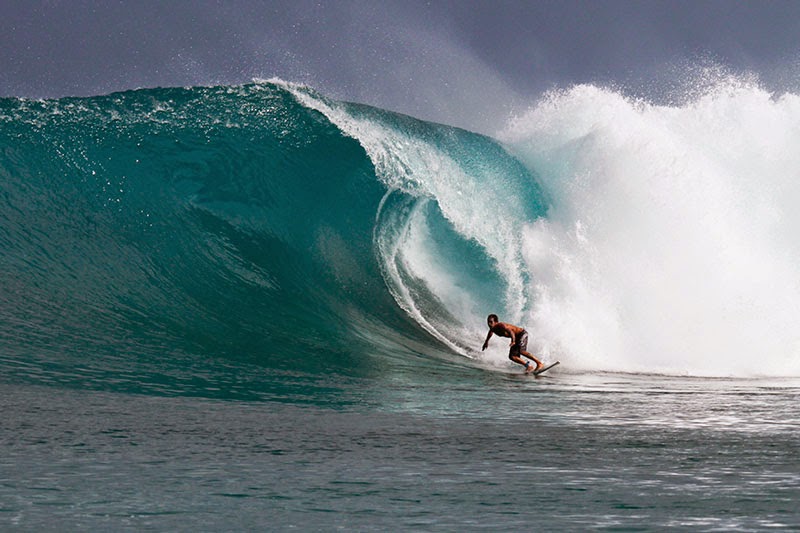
[176, 226]
[266, 224]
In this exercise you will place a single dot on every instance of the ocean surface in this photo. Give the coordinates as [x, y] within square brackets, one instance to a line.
[258, 308]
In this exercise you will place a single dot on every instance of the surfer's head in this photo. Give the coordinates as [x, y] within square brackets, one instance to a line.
[492, 320]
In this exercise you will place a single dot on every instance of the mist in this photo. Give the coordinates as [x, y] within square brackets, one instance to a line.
[465, 63]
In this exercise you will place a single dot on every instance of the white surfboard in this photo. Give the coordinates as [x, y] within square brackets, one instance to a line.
[545, 368]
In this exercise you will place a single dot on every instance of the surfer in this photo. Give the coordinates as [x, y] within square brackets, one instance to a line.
[519, 342]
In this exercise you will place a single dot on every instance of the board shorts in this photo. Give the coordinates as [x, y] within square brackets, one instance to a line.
[521, 345]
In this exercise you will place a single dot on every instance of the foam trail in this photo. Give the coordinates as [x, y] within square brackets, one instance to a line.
[672, 241]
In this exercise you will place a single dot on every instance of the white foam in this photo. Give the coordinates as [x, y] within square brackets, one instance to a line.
[673, 243]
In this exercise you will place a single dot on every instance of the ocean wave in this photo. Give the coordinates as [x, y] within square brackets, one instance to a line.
[270, 225]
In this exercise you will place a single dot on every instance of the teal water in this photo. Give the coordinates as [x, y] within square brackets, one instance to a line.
[256, 307]
[163, 230]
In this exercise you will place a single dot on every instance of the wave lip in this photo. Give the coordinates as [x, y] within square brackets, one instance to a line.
[448, 230]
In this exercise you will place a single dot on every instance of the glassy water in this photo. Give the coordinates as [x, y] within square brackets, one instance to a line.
[467, 451]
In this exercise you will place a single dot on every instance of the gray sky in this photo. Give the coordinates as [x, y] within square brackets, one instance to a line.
[463, 62]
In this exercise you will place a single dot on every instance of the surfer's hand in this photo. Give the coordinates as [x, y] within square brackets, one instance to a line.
[485, 344]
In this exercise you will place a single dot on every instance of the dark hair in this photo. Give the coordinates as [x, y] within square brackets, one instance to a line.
[492, 317]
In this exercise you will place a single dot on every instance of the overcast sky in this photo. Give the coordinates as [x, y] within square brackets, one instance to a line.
[463, 62]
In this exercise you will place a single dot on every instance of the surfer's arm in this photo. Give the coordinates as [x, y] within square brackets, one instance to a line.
[486, 342]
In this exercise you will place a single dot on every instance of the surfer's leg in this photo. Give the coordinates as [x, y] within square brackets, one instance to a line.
[514, 354]
[539, 364]
[523, 362]
[517, 359]
[521, 348]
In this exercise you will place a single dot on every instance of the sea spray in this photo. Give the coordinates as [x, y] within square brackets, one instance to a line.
[672, 240]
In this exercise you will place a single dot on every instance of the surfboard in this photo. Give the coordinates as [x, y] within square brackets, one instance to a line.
[546, 368]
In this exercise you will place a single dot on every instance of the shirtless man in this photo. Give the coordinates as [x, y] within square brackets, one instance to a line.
[519, 342]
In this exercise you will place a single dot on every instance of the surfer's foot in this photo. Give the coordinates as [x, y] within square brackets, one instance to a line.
[539, 366]
[529, 368]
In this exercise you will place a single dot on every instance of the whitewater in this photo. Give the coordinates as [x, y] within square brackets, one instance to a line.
[671, 242]
[669, 239]
[253, 306]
